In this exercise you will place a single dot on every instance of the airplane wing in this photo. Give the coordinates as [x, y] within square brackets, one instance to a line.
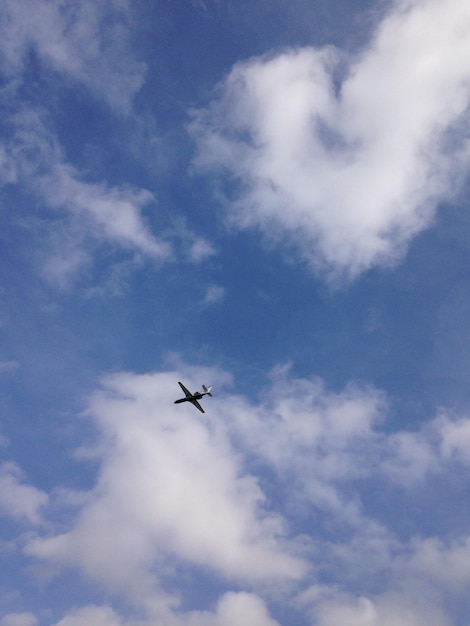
[187, 393]
[197, 405]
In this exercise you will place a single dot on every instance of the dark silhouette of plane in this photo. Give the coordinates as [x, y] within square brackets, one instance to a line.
[194, 397]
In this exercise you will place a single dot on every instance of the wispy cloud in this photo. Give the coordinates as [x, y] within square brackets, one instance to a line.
[348, 169]
[200, 250]
[214, 294]
[84, 41]
[88, 212]
[8, 366]
[18, 499]
[79, 44]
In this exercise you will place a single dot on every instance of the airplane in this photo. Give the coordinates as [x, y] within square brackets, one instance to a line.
[194, 397]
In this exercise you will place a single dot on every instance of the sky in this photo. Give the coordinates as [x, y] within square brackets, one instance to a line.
[266, 196]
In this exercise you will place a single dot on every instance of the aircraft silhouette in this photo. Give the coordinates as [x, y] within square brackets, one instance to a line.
[194, 397]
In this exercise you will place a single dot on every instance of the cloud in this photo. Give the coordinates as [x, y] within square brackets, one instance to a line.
[232, 609]
[347, 158]
[116, 213]
[455, 439]
[96, 615]
[214, 294]
[445, 564]
[276, 493]
[201, 250]
[409, 457]
[390, 609]
[87, 42]
[178, 488]
[8, 366]
[19, 619]
[194, 248]
[315, 439]
[84, 213]
[17, 499]
[80, 43]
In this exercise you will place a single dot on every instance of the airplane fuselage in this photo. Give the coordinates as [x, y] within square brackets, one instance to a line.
[195, 396]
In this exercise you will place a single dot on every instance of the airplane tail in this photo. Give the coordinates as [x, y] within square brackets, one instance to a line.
[207, 390]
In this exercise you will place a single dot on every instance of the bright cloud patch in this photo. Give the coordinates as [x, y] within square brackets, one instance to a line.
[99, 616]
[392, 609]
[177, 487]
[350, 169]
[177, 491]
[232, 609]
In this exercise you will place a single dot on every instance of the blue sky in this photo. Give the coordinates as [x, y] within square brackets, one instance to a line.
[270, 197]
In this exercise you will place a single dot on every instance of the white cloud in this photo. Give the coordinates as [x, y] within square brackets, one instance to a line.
[349, 175]
[232, 609]
[455, 436]
[178, 492]
[90, 44]
[201, 250]
[214, 294]
[19, 619]
[409, 457]
[94, 214]
[177, 487]
[390, 609]
[316, 440]
[116, 213]
[86, 41]
[442, 563]
[69, 257]
[88, 213]
[91, 615]
[194, 248]
[18, 499]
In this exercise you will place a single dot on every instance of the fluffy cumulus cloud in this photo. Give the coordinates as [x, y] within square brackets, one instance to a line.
[178, 488]
[234, 609]
[264, 495]
[391, 609]
[347, 157]
[97, 615]
[231, 610]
